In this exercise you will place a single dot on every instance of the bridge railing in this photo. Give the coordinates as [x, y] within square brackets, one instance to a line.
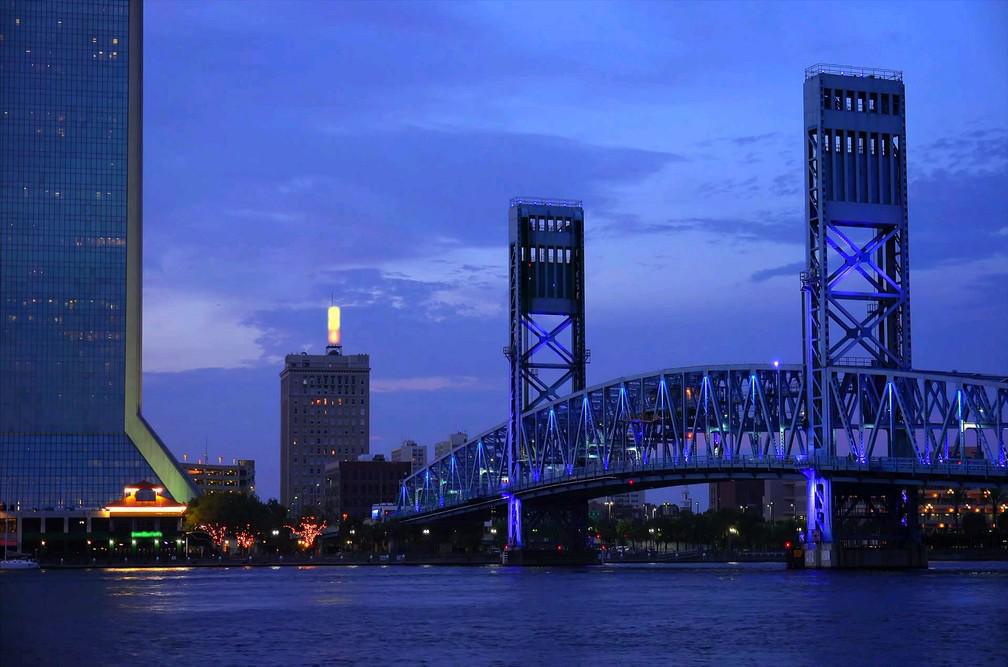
[736, 416]
[628, 475]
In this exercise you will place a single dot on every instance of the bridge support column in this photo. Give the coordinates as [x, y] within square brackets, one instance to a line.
[820, 551]
[555, 533]
[514, 540]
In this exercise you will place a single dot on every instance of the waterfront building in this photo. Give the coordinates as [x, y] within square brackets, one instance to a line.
[145, 522]
[775, 500]
[353, 488]
[412, 453]
[628, 505]
[742, 495]
[72, 435]
[324, 418]
[445, 447]
[235, 477]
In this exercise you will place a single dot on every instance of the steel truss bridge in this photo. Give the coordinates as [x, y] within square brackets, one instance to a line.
[854, 413]
[703, 424]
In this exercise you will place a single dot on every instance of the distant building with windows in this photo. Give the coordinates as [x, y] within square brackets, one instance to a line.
[324, 418]
[235, 477]
[412, 453]
[445, 447]
[628, 505]
[775, 500]
[354, 487]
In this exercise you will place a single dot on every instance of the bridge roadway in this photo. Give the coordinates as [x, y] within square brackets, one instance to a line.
[704, 424]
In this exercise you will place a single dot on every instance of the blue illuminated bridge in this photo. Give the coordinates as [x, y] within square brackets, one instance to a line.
[703, 424]
[856, 421]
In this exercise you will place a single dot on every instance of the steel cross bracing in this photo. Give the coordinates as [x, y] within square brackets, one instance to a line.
[698, 424]
[856, 284]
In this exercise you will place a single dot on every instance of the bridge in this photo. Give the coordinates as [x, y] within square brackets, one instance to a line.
[704, 424]
[853, 418]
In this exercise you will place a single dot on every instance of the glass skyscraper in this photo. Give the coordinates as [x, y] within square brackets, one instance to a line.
[71, 433]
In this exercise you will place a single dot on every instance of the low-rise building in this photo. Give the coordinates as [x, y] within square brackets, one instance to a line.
[235, 477]
[353, 488]
[445, 447]
[775, 500]
[623, 506]
[145, 523]
[412, 453]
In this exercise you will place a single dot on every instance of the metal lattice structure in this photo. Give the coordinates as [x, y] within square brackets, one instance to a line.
[546, 350]
[856, 284]
[857, 277]
[854, 420]
[700, 424]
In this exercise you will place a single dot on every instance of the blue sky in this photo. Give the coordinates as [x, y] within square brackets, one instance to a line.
[299, 151]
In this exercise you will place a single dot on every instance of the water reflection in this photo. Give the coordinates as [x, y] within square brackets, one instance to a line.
[611, 614]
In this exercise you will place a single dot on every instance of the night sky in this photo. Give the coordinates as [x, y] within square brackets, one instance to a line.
[366, 152]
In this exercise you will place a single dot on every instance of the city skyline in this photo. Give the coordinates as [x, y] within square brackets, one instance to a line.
[630, 282]
[690, 175]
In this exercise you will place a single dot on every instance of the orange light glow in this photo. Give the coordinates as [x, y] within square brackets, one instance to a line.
[132, 509]
[334, 325]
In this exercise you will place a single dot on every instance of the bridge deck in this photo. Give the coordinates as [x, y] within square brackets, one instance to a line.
[703, 424]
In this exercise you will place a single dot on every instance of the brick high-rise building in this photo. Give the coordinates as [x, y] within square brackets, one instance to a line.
[324, 418]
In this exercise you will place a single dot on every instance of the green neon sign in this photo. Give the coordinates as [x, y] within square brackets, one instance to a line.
[145, 533]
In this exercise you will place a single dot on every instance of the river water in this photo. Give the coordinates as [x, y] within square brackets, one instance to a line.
[753, 614]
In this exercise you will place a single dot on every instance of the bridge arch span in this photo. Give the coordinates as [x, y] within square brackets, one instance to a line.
[708, 423]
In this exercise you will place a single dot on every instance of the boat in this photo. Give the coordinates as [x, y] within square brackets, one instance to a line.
[18, 564]
[16, 561]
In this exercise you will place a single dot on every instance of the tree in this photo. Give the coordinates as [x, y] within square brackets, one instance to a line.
[223, 515]
[308, 531]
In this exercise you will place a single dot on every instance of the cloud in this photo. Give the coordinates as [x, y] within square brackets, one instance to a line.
[183, 331]
[792, 269]
[957, 216]
[749, 140]
[429, 383]
[974, 151]
[767, 228]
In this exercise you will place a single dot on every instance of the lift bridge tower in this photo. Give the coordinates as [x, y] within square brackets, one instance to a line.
[546, 350]
[856, 285]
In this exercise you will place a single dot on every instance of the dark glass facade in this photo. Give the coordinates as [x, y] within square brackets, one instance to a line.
[65, 233]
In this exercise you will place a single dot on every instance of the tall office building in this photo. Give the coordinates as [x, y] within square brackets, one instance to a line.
[324, 418]
[71, 432]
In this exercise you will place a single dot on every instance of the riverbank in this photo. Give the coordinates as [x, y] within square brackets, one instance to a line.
[477, 559]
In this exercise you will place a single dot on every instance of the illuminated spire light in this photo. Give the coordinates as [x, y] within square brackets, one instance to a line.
[334, 326]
